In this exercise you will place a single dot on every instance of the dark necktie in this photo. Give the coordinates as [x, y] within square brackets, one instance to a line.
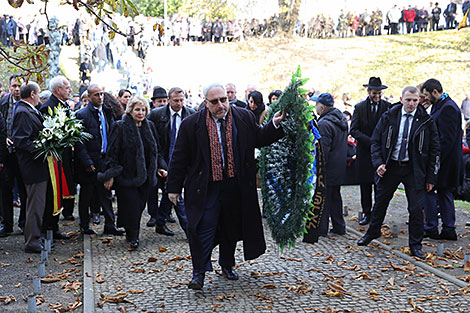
[173, 135]
[104, 137]
[404, 138]
[374, 108]
[223, 137]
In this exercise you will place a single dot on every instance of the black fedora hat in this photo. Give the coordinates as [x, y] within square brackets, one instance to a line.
[159, 92]
[375, 83]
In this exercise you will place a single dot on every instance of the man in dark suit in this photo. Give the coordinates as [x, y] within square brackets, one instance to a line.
[167, 120]
[449, 14]
[61, 90]
[97, 120]
[3, 158]
[232, 96]
[12, 169]
[448, 118]
[214, 161]
[27, 123]
[404, 149]
[366, 115]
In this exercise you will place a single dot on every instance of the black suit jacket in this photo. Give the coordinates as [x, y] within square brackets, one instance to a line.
[52, 102]
[3, 137]
[161, 118]
[27, 123]
[191, 166]
[89, 153]
[362, 126]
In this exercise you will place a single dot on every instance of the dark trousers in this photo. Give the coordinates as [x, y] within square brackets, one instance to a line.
[50, 221]
[386, 187]
[86, 203]
[131, 203]
[440, 201]
[222, 206]
[12, 171]
[394, 28]
[366, 197]
[333, 208]
[450, 22]
[165, 209]
[34, 214]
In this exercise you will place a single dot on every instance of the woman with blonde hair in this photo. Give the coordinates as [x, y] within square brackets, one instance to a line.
[131, 165]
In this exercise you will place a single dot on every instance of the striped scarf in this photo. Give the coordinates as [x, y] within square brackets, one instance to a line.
[216, 154]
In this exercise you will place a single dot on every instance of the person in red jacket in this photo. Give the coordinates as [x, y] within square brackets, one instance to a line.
[410, 15]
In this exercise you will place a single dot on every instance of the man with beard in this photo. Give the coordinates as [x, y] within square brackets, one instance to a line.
[214, 160]
[366, 115]
[448, 118]
[404, 149]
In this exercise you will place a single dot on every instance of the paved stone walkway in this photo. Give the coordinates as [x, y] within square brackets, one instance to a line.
[333, 275]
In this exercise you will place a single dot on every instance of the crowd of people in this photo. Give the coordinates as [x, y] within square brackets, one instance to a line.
[146, 152]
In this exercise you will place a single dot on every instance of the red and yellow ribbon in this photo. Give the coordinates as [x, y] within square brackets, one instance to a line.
[59, 183]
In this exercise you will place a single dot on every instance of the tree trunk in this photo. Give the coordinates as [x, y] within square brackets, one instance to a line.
[288, 14]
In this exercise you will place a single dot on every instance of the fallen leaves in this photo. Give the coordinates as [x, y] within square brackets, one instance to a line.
[59, 308]
[415, 307]
[74, 285]
[7, 299]
[134, 292]
[152, 259]
[162, 249]
[178, 258]
[52, 278]
[99, 278]
[302, 287]
[260, 274]
[291, 259]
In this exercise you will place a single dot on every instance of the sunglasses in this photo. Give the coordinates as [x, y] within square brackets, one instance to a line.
[216, 101]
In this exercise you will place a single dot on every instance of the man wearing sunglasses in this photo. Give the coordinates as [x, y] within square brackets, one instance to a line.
[214, 161]
[366, 115]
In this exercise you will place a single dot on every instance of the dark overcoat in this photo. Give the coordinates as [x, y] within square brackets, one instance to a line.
[3, 142]
[423, 146]
[448, 119]
[89, 153]
[27, 124]
[190, 168]
[127, 161]
[333, 128]
[362, 125]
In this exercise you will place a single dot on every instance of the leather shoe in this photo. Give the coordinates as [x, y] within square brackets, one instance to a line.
[134, 244]
[230, 273]
[171, 218]
[60, 236]
[152, 222]
[113, 231]
[163, 229]
[32, 250]
[364, 241]
[96, 219]
[69, 218]
[417, 252]
[197, 282]
[365, 220]
[432, 233]
[448, 235]
[87, 231]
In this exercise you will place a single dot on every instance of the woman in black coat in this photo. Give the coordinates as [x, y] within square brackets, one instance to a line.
[256, 105]
[131, 165]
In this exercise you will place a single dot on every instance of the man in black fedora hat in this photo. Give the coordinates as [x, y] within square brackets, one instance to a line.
[159, 97]
[366, 115]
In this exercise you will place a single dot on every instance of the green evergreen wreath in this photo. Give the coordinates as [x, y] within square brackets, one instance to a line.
[286, 167]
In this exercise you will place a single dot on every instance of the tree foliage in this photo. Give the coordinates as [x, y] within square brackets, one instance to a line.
[196, 8]
[31, 61]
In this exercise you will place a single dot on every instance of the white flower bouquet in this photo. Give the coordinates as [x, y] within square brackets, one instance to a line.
[61, 130]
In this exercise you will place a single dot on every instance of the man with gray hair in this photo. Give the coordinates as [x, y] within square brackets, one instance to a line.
[232, 96]
[214, 161]
[61, 90]
[404, 149]
[27, 123]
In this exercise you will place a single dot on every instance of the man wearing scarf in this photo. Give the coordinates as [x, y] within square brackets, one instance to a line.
[448, 118]
[213, 160]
